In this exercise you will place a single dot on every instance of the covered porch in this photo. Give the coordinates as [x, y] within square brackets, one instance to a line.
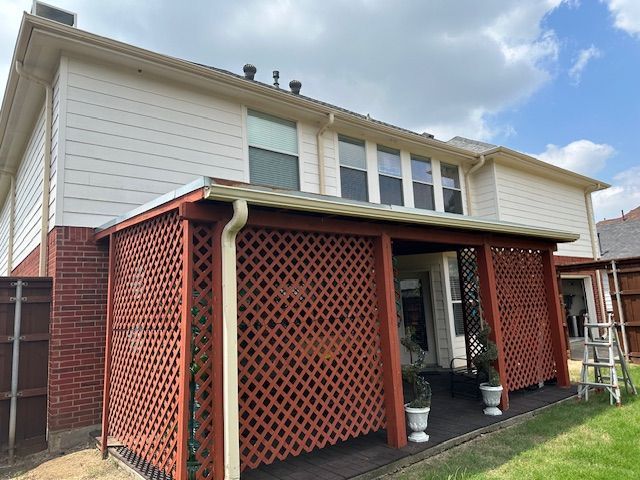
[247, 327]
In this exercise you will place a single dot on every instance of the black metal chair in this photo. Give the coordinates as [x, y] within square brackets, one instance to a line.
[463, 380]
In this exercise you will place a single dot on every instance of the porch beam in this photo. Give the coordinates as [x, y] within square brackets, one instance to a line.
[390, 343]
[556, 320]
[488, 292]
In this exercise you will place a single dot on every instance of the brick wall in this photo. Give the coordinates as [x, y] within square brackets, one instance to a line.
[562, 260]
[79, 269]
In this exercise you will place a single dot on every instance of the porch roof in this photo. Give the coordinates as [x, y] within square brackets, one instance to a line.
[226, 191]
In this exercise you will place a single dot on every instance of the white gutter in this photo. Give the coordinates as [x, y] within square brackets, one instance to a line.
[467, 175]
[46, 170]
[320, 145]
[230, 340]
[337, 206]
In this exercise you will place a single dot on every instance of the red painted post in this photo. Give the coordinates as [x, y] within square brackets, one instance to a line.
[491, 312]
[555, 318]
[104, 438]
[217, 358]
[390, 343]
[185, 351]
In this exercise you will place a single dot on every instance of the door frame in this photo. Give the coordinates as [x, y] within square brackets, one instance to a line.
[424, 276]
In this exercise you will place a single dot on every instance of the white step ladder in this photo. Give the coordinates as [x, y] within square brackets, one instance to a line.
[599, 338]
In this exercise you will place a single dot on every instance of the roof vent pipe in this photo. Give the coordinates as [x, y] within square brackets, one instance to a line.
[249, 71]
[276, 76]
[295, 86]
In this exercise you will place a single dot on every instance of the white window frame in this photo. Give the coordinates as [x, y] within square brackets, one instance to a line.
[399, 177]
[421, 158]
[459, 189]
[340, 166]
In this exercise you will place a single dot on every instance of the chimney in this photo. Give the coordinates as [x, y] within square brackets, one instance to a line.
[295, 86]
[249, 71]
[276, 76]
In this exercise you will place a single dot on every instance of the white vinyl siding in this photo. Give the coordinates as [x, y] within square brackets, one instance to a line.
[131, 138]
[484, 201]
[531, 199]
[273, 151]
[4, 237]
[29, 195]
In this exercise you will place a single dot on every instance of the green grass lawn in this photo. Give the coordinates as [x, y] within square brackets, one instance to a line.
[574, 440]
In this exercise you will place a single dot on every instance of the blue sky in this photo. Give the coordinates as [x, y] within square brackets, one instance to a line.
[553, 78]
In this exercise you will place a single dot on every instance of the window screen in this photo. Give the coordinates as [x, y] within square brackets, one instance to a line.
[456, 296]
[422, 177]
[273, 151]
[390, 174]
[451, 188]
[353, 168]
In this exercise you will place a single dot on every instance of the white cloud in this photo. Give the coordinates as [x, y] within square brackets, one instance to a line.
[582, 156]
[626, 15]
[583, 59]
[438, 65]
[623, 195]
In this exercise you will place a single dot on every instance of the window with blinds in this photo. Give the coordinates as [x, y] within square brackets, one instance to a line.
[422, 178]
[273, 151]
[456, 296]
[353, 169]
[390, 175]
[451, 191]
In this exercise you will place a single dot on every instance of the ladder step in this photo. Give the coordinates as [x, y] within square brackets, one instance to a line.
[600, 343]
[595, 384]
[600, 325]
[598, 364]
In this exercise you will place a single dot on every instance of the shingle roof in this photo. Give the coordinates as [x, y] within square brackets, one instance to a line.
[619, 239]
[475, 146]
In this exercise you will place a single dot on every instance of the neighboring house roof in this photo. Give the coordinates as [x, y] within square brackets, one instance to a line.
[620, 238]
[473, 145]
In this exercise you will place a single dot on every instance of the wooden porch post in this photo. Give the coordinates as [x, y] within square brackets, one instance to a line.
[217, 358]
[104, 438]
[390, 343]
[489, 297]
[185, 351]
[555, 318]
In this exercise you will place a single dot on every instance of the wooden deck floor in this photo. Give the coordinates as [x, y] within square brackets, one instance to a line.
[450, 418]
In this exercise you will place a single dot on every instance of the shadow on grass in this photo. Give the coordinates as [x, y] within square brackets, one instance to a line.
[555, 442]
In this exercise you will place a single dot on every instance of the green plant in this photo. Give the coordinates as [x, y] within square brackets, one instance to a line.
[484, 360]
[411, 373]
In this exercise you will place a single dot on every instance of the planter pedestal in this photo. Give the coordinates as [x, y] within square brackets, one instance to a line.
[417, 420]
[491, 398]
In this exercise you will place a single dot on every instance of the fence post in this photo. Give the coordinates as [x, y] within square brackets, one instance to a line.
[15, 365]
[390, 343]
[487, 275]
[104, 438]
[556, 321]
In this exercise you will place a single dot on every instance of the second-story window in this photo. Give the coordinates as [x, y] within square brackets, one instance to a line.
[390, 174]
[353, 169]
[451, 188]
[422, 177]
[273, 151]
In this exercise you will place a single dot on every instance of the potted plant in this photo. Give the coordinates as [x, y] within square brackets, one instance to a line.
[490, 380]
[418, 408]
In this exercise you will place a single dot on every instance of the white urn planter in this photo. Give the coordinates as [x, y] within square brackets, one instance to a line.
[417, 419]
[491, 398]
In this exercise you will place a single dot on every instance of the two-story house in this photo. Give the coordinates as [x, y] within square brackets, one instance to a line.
[97, 135]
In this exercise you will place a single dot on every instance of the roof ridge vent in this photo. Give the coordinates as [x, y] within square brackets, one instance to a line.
[43, 10]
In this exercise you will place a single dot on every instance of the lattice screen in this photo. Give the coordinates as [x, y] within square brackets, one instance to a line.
[201, 384]
[310, 367]
[147, 294]
[471, 301]
[524, 316]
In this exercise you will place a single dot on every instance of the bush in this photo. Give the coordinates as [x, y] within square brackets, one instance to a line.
[484, 360]
[411, 373]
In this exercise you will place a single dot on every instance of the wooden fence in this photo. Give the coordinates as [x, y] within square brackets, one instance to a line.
[27, 335]
[628, 273]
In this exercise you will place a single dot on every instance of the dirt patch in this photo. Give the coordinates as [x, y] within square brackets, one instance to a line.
[86, 464]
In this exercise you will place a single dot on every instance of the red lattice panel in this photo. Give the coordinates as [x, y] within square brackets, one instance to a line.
[471, 301]
[202, 404]
[524, 316]
[147, 289]
[310, 366]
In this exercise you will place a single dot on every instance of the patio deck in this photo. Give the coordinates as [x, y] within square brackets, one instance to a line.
[451, 421]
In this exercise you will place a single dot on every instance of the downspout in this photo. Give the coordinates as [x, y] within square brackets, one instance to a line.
[46, 170]
[230, 340]
[467, 175]
[12, 214]
[595, 250]
[320, 145]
